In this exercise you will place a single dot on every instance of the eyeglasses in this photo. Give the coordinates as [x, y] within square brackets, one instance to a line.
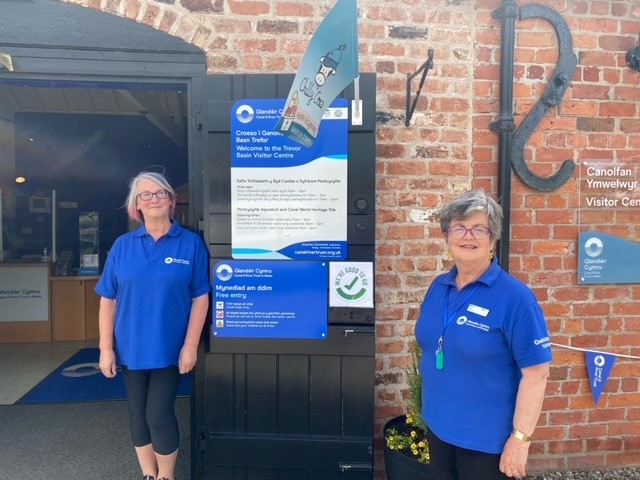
[147, 196]
[478, 232]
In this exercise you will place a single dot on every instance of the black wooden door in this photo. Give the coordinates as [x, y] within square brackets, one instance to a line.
[269, 409]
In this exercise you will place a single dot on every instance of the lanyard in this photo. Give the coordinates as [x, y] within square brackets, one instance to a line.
[446, 322]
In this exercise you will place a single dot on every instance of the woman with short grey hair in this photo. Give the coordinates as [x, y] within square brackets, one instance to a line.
[486, 353]
[469, 203]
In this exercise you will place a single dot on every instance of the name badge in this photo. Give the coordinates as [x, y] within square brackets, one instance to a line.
[483, 312]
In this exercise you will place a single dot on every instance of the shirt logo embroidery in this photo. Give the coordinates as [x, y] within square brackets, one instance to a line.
[170, 260]
[544, 341]
[463, 320]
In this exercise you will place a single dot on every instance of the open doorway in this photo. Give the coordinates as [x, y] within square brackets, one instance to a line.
[74, 149]
[77, 146]
[87, 100]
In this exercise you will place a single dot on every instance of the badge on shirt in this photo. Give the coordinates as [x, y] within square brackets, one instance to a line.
[483, 312]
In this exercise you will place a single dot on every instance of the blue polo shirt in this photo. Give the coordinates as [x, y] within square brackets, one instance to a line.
[494, 328]
[153, 284]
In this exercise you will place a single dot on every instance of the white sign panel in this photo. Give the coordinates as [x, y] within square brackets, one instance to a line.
[288, 201]
[24, 294]
[351, 284]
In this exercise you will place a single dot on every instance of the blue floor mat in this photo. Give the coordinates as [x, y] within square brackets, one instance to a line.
[79, 380]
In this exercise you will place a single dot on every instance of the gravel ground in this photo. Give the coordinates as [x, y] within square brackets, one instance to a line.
[613, 474]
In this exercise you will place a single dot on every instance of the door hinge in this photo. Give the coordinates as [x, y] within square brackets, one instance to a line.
[197, 117]
[202, 440]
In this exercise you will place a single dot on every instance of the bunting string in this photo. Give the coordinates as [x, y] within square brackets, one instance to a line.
[595, 351]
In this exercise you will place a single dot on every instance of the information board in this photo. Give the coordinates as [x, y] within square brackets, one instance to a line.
[287, 201]
[24, 293]
[270, 299]
[609, 218]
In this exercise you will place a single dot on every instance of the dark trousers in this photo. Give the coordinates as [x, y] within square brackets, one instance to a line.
[449, 462]
[151, 396]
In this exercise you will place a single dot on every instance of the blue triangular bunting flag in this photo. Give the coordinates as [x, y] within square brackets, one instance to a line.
[599, 367]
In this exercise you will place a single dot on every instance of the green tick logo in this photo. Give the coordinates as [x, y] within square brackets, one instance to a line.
[351, 284]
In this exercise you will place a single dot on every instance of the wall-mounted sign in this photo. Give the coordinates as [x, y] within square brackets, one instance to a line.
[608, 248]
[351, 284]
[287, 201]
[604, 258]
[24, 293]
[270, 299]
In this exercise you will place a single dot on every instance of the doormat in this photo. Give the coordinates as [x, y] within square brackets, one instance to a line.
[79, 379]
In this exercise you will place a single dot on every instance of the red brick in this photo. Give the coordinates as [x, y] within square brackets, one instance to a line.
[245, 7]
[203, 6]
[132, 9]
[294, 9]
[566, 447]
[618, 109]
[616, 43]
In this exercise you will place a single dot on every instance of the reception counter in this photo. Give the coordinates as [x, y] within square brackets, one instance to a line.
[38, 307]
[74, 308]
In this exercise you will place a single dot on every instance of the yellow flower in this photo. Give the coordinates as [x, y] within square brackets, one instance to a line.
[410, 441]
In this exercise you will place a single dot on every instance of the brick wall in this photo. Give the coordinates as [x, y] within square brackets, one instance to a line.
[449, 148]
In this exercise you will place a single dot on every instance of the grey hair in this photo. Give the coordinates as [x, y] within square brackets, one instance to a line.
[131, 202]
[469, 203]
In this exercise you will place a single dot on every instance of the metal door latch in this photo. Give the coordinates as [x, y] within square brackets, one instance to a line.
[344, 466]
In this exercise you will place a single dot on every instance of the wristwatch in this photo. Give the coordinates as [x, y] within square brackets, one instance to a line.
[523, 437]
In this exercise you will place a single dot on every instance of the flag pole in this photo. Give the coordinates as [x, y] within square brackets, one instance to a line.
[356, 103]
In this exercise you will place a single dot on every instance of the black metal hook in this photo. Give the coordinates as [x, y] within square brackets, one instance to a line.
[633, 58]
[552, 96]
[426, 66]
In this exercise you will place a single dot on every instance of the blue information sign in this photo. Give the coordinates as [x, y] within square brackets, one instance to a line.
[270, 299]
[604, 258]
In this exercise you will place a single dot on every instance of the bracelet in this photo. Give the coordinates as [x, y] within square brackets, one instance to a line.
[523, 437]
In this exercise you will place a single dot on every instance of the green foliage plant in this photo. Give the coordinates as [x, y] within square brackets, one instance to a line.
[410, 438]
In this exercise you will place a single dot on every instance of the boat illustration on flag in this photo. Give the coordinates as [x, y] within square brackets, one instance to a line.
[328, 66]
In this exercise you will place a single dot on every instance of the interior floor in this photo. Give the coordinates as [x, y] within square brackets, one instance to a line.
[24, 365]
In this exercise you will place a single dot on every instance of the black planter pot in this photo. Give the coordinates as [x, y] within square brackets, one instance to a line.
[400, 466]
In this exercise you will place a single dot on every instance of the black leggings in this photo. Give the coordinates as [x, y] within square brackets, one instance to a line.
[449, 462]
[151, 396]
